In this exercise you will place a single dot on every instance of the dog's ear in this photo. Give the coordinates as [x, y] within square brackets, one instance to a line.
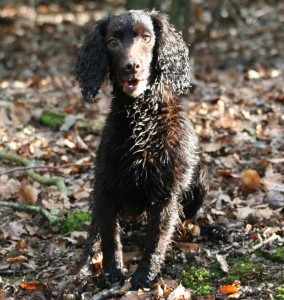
[92, 64]
[171, 60]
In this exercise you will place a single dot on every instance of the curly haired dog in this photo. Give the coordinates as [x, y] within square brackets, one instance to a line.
[148, 159]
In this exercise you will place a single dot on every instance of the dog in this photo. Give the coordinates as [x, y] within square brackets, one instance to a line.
[148, 161]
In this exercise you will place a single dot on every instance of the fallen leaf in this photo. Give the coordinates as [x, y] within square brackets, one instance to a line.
[21, 244]
[228, 289]
[180, 293]
[28, 194]
[250, 182]
[189, 247]
[19, 258]
[225, 172]
[34, 286]
[222, 262]
[211, 147]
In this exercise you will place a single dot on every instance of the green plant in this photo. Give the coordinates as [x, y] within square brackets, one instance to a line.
[280, 293]
[52, 119]
[75, 222]
[277, 255]
[204, 290]
[193, 278]
[243, 269]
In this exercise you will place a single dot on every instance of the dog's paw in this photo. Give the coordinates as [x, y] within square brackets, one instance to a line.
[114, 276]
[141, 280]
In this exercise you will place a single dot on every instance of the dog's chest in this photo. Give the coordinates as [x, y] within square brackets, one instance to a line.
[151, 144]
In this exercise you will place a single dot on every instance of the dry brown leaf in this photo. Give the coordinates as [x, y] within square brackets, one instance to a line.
[28, 194]
[211, 147]
[180, 293]
[189, 247]
[20, 113]
[32, 230]
[191, 229]
[274, 187]
[225, 173]
[34, 286]
[19, 258]
[244, 212]
[227, 123]
[21, 244]
[250, 182]
[228, 289]
[8, 186]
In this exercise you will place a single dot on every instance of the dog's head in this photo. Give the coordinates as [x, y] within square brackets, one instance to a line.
[136, 49]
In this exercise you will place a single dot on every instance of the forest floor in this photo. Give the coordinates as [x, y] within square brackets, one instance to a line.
[234, 248]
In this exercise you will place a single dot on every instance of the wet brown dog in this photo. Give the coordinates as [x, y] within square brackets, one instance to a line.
[148, 160]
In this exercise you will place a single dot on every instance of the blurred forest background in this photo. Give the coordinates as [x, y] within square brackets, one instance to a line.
[48, 140]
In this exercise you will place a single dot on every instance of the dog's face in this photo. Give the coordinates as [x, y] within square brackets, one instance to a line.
[130, 39]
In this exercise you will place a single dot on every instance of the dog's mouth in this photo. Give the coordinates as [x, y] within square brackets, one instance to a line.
[133, 86]
[130, 84]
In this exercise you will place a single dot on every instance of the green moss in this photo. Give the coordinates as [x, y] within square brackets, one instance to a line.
[75, 222]
[243, 269]
[277, 255]
[193, 278]
[280, 293]
[52, 119]
[204, 290]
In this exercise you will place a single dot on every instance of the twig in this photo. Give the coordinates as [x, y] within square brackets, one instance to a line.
[16, 272]
[29, 208]
[58, 181]
[267, 241]
[45, 168]
[106, 293]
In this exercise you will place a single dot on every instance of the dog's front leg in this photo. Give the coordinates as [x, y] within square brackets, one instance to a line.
[109, 229]
[164, 218]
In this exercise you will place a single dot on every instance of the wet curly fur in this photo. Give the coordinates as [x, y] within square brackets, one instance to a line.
[148, 159]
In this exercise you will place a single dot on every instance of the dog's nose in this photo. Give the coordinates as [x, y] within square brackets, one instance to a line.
[131, 66]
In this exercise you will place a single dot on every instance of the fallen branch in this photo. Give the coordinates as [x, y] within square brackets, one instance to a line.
[58, 181]
[106, 293]
[271, 239]
[16, 272]
[21, 169]
[53, 220]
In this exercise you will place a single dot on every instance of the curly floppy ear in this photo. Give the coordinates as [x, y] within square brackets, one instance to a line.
[92, 64]
[170, 55]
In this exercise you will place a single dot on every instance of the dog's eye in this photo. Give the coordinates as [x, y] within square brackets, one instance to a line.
[146, 39]
[112, 43]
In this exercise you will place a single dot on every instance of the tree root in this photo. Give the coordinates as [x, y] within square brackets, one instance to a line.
[53, 220]
[55, 180]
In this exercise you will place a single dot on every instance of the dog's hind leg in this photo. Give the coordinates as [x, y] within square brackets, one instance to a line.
[194, 197]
